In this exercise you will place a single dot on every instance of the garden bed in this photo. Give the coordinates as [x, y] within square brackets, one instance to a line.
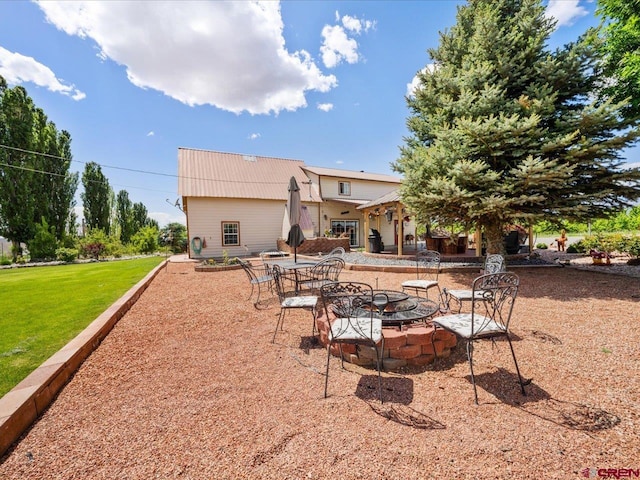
[217, 267]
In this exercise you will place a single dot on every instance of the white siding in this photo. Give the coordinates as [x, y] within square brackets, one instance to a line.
[260, 224]
[360, 189]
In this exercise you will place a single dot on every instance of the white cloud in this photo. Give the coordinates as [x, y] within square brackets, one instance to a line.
[355, 24]
[231, 55]
[339, 162]
[566, 12]
[337, 46]
[254, 136]
[325, 107]
[18, 69]
[151, 133]
[164, 218]
[415, 81]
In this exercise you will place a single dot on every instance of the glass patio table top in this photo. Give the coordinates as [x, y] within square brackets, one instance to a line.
[396, 308]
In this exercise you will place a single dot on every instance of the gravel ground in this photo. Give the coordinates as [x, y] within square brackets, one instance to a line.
[189, 385]
[362, 259]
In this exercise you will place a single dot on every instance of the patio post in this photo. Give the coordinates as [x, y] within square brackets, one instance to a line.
[400, 227]
[366, 231]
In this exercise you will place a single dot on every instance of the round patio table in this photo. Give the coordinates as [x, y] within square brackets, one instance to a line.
[399, 308]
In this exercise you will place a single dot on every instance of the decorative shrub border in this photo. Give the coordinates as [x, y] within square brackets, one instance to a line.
[216, 268]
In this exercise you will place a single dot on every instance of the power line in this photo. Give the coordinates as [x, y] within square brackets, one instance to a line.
[146, 172]
[34, 170]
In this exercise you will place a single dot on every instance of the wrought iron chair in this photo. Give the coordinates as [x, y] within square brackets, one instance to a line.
[326, 271]
[289, 301]
[347, 301]
[427, 270]
[336, 252]
[258, 276]
[494, 263]
[489, 318]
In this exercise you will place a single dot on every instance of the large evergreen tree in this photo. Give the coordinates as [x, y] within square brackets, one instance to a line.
[503, 130]
[96, 198]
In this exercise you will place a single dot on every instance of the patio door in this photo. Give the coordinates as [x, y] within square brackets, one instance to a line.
[339, 227]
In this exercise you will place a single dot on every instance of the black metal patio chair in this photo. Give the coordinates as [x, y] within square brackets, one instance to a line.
[259, 276]
[289, 301]
[427, 271]
[326, 271]
[355, 323]
[493, 263]
[490, 316]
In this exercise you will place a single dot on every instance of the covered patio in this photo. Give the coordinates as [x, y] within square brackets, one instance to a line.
[387, 210]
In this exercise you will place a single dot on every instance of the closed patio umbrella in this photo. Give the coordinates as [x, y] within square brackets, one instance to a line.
[295, 237]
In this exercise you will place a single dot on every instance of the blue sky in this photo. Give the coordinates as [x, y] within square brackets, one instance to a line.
[322, 82]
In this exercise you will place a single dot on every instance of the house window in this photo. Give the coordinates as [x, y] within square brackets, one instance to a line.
[230, 233]
[344, 188]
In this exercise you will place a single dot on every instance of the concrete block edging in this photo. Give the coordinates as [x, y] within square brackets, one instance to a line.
[21, 406]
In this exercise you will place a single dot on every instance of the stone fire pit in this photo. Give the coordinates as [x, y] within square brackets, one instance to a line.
[407, 346]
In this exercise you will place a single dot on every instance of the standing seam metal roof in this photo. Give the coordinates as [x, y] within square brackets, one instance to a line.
[203, 173]
[335, 172]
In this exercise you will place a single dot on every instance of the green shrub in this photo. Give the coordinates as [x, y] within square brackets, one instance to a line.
[44, 243]
[632, 246]
[66, 254]
[577, 247]
[591, 242]
[145, 240]
[606, 242]
[5, 260]
[541, 246]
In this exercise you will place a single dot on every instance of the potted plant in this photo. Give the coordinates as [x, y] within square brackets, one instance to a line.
[599, 257]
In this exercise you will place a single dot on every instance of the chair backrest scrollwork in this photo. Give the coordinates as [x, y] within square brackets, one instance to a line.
[353, 303]
[427, 265]
[494, 263]
[498, 292]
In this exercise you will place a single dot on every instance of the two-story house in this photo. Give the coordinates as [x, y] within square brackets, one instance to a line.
[236, 203]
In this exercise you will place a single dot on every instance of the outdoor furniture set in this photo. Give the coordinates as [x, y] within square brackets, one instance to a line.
[357, 313]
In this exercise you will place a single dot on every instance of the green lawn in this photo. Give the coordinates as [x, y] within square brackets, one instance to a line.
[42, 308]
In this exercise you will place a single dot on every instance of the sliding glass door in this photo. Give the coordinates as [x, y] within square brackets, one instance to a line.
[352, 227]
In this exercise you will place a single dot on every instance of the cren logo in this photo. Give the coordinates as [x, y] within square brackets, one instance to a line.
[610, 472]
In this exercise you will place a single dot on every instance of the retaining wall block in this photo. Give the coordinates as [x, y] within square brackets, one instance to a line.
[429, 349]
[391, 364]
[421, 360]
[394, 338]
[408, 351]
[419, 335]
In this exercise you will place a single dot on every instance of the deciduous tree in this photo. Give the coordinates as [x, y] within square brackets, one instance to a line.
[16, 166]
[96, 198]
[35, 181]
[124, 216]
[618, 40]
